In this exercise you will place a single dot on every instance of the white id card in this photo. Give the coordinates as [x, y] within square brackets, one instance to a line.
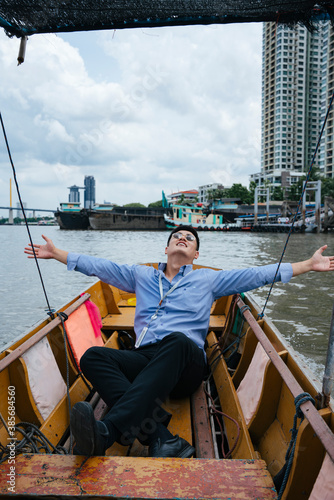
[141, 336]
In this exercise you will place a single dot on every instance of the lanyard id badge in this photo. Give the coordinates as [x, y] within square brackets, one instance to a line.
[155, 315]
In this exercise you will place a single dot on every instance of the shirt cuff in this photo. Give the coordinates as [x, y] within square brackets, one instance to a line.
[286, 272]
[72, 260]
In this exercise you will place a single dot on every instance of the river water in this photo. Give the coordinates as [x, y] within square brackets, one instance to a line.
[301, 309]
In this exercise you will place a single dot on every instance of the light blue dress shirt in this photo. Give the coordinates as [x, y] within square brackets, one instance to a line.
[187, 308]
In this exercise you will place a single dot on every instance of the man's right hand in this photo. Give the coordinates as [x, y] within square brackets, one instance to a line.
[47, 251]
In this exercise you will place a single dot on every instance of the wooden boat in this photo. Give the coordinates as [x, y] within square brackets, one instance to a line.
[238, 455]
[239, 420]
[214, 220]
[195, 216]
[274, 223]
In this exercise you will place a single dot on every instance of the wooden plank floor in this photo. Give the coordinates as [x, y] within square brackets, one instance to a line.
[71, 476]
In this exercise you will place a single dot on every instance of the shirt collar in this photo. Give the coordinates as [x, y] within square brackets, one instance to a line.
[184, 270]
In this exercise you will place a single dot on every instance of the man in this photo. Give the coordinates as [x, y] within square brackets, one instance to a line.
[171, 323]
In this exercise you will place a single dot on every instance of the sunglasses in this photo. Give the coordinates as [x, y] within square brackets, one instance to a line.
[188, 237]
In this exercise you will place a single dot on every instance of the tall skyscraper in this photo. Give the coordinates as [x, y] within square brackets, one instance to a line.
[19, 212]
[74, 196]
[89, 191]
[294, 88]
[327, 76]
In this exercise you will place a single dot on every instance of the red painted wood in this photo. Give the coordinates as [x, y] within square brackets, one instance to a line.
[137, 477]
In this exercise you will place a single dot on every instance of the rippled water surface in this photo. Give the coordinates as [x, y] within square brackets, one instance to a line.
[301, 309]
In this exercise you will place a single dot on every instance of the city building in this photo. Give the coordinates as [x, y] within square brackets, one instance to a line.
[89, 191]
[19, 212]
[327, 89]
[294, 101]
[74, 196]
[191, 194]
[203, 191]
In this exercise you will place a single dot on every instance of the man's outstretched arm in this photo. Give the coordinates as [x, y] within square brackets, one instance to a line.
[317, 262]
[47, 251]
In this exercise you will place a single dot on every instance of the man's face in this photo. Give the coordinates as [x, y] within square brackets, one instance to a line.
[183, 243]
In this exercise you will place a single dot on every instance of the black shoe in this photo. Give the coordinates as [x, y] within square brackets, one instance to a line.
[175, 447]
[90, 436]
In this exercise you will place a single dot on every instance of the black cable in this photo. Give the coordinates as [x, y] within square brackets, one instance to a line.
[33, 441]
[50, 311]
[299, 203]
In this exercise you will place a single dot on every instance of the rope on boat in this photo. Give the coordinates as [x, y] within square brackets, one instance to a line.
[299, 400]
[33, 441]
[28, 436]
[50, 311]
[299, 203]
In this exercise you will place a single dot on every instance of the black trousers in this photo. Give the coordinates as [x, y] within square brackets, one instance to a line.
[135, 383]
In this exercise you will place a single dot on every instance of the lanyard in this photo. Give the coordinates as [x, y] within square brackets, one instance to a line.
[162, 298]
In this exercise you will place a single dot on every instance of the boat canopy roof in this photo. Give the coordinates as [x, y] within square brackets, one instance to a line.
[27, 17]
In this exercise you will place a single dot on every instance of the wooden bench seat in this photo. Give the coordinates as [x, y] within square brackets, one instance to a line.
[217, 322]
[121, 311]
[137, 477]
[125, 319]
[122, 321]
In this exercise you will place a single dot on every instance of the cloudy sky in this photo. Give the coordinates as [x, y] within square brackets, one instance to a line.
[141, 110]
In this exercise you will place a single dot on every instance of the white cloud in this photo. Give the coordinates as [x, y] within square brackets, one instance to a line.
[141, 110]
[55, 131]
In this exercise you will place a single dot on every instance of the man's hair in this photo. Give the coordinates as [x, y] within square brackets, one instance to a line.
[184, 228]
